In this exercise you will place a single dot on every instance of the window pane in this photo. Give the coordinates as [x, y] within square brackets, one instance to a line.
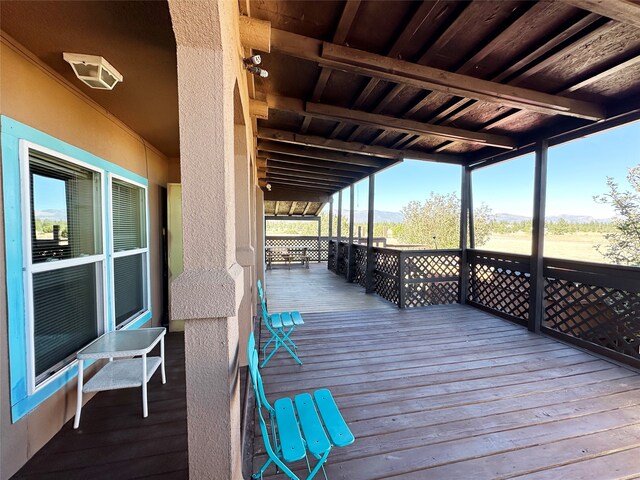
[65, 313]
[128, 216]
[65, 210]
[128, 274]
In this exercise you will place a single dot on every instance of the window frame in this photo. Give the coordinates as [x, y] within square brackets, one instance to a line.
[113, 255]
[14, 134]
[27, 149]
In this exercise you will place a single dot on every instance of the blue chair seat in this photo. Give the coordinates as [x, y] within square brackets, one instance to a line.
[317, 441]
[276, 320]
[288, 431]
[287, 321]
[336, 426]
[297, 318]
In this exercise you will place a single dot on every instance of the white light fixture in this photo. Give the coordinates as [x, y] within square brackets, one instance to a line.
[93, 70]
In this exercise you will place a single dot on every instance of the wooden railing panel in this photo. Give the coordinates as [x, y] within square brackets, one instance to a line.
[430, 277]
[317, 252]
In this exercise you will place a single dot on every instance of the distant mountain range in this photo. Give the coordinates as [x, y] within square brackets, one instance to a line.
[510, 218]
[51, 214]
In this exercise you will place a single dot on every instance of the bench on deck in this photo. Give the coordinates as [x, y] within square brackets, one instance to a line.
[287, 255]
[308, 424]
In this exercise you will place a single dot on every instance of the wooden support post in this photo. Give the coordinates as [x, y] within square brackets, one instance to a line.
[472, 225]
[330, 232]
[351, 254]
[536, 295]
[339, 227]
[319, 253]
[371, 287]
[401, 283]
[464, 223]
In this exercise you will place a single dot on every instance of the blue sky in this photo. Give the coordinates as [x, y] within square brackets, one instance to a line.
[49, 194]
[576, 172]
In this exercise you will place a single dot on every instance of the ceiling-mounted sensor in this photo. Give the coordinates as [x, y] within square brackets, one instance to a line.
[93, 70]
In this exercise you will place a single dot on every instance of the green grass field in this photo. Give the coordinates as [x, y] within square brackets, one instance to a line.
[574, 246]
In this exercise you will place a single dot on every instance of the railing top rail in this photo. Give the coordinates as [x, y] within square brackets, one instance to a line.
[598, 268]
[517, 257]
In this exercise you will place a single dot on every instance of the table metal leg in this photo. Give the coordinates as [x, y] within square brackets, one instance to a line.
[145, 409]
[76, 420]
[164, 375]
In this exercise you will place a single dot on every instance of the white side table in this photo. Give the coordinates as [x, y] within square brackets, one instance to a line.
[126, 372]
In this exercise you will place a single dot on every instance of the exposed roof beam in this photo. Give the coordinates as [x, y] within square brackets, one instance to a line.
[293, 207]
[312, 169]
[319, 163]
[306, 208]
[322, 154]
[420, 76]
[623, 11]
[329, 112]
[340, 35]
[306, 174]
[288, 180]
[282, 192]
[429, 78]
[376, 120]
[353, 147]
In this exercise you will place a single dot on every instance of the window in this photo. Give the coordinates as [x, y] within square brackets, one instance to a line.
[130, 250]
[64, 259]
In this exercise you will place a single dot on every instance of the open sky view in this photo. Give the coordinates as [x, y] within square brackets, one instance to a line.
[576, 172]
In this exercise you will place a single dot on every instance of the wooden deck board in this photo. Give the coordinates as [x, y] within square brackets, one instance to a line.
[316, 289]
[453, 392]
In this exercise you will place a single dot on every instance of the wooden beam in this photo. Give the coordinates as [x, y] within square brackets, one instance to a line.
[292, 178]
[429, 78]
[296, 161]
[323, 154]
[306, 208]
[275, 210]
[310, 175]
[330, 112]
[536, 294]
[293, 207]
[623, 11]
[313, 169]
[283, 193]
[258, 109]
[353, 147]
[255, 33]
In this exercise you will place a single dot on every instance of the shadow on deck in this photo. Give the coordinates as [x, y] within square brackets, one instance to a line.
[453, 392]
[317, 289]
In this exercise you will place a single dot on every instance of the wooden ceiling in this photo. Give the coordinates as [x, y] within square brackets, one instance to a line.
[356, 86]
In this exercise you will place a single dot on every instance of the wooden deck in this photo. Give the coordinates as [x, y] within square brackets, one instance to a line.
[114, 441]
[316, 289]
[451, 392]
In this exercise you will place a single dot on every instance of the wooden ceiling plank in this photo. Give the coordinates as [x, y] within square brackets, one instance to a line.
[340, 35]
[623, 11]
[294, 180]
[406, 126]
[338, 174]
[323, 154]
[339, 145]
[315, 162]
[429, 78]
[303, 174]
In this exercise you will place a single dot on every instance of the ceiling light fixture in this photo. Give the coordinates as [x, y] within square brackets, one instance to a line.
[93, 70]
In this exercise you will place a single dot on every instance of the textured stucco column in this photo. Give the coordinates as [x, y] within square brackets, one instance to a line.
[207, 294]
[244, 250]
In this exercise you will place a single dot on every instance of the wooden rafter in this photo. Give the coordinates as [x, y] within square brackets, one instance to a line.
[317, 162]
[340, 35]
[329, 112]
[306, 174]
[293, 208]
[314, 170]
[306, 208]
[429, 78]
[322, 154]
[352, 147]
[294, 180]
[623, 11]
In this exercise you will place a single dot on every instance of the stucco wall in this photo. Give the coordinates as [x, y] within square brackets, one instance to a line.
[31, 94]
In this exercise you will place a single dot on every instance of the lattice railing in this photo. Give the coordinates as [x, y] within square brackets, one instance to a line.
[430, 277]
[386, 274]
[343, 259]
[332, 256]
[597, 304]
[316, 251]
[500, 282]
[360, 265]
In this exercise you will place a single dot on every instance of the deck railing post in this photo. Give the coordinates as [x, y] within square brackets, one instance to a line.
[536, 294]
[351, 253]
[318, 252]
[464, 225]
[330, 233]
[401, 279]
[370, 254]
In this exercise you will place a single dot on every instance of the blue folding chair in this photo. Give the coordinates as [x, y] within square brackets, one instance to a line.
[286, 422]
[280, 325]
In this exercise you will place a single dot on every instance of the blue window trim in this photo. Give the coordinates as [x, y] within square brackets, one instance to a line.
[11, 133]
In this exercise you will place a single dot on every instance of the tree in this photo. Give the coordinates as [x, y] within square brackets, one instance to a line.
[439, 216]
[624, 242]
